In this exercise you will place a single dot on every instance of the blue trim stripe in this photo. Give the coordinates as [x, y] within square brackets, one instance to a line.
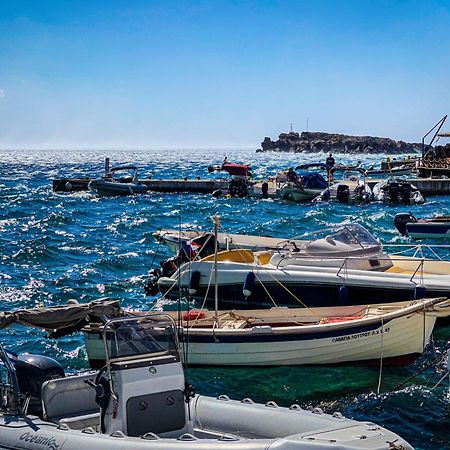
[270, 337]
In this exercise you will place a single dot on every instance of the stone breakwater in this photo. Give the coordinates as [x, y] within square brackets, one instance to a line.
[314, 142]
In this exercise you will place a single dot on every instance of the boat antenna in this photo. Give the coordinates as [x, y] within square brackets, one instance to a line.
[291, 127]
[216, 220]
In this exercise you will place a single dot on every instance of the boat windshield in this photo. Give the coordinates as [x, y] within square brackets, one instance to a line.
[149, 335]
[348, 238]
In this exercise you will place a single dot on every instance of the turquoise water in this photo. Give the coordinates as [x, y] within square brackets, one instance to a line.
[60, 246]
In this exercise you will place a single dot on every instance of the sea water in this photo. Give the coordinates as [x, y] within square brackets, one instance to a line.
[59, 246]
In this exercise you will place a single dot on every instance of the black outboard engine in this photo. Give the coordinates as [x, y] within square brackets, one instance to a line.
[405, 193]
[394, 191]
[238, 188]
[32, 372]
[265, 190]
[200, 246]
[401, 220]
[343, 193]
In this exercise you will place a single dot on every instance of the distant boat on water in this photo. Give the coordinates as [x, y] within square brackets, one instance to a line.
[435, 228]
[110, 185]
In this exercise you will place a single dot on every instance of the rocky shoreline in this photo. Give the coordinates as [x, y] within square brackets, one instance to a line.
[314, 142]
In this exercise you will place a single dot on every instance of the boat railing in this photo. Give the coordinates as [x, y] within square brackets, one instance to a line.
[418, 249]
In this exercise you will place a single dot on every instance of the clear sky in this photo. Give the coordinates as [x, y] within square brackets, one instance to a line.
[158, 74]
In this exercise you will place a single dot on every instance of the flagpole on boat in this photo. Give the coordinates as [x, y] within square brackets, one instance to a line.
[216, 220]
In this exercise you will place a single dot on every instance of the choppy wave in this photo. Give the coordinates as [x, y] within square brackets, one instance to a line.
[57, 246]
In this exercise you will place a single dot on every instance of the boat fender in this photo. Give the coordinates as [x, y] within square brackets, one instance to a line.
[248, 284]
[194, 314]
[194, 282]
[420, 291]
[343, 295]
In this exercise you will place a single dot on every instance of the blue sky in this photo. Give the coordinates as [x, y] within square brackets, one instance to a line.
[158, 74]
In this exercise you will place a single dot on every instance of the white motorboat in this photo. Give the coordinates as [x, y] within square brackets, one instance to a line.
[391, 334]
[397, 191]
[352, 188]
[140, 399]
[339, 269]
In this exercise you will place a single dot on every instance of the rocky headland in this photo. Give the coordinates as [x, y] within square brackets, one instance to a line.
[337, 143]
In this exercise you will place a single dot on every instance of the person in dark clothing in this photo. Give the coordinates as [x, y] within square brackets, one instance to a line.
[291, 175]
[330, 161]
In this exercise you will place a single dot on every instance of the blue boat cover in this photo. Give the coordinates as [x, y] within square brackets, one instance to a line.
[312, 180]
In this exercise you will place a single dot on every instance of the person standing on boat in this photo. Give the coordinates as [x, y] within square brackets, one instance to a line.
[330, 161]
[291, 175]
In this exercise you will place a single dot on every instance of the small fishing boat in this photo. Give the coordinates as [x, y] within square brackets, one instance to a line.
[340, 267]
[397, 191]
[433, 228]
[140, 398]
[111, 185]
[390, 334]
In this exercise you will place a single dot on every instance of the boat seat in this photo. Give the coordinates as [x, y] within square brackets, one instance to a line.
[84, 421]
[71, 401]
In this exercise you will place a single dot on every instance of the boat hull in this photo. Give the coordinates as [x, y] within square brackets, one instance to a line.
[217, 423]
[109, 189]
[423, 230]
[302, 292]
[299, 195]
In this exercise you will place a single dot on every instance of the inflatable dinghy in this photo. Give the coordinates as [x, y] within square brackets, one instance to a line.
[140, 400]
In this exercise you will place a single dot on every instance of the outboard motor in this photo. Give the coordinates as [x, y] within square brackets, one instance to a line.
[405, 193]
[343, 193]
[32, 371]
[401, 221]
[394, 191]
[200, 246]
[265, 190]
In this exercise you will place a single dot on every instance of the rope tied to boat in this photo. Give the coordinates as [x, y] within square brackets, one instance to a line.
[380, 375]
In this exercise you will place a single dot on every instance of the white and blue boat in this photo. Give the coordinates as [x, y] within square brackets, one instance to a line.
[433, 228]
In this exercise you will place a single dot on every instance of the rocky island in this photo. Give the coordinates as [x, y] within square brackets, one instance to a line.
[314, 142]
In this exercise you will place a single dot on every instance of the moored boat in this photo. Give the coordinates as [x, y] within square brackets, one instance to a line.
[397, 191]
[432, 228]
[393, 334]
[342, 267]
[352, 188]
[109, 185]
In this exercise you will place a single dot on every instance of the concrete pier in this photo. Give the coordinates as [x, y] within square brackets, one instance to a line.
[432, 186]
[428, 186]
[175, 185]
